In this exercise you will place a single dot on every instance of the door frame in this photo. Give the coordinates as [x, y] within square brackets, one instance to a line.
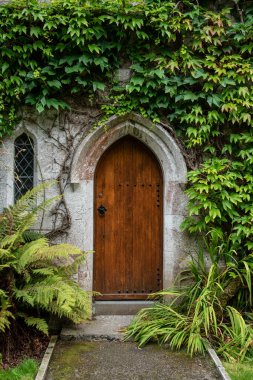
[168, 154]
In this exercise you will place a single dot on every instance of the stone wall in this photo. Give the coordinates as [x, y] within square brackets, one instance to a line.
[55, 137]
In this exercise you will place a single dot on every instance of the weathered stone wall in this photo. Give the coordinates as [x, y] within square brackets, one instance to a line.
[55, 137]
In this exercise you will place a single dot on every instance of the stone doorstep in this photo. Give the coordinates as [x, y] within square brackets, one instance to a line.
[119, 307]
[107, 327]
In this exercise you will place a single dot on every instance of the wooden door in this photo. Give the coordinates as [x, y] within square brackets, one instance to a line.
[128, 222]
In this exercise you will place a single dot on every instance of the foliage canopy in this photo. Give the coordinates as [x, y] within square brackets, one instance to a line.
[189, 65]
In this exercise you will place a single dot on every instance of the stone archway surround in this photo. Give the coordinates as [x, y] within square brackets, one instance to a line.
[174, 176]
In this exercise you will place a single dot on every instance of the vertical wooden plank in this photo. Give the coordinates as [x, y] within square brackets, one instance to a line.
[109, 220]
[118, 223]
[127, 227]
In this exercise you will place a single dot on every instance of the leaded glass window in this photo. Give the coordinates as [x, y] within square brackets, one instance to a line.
[23, 165]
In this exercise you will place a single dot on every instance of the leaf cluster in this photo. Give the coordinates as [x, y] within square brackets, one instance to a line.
[221, 197]
[36, 275]
[208, 310]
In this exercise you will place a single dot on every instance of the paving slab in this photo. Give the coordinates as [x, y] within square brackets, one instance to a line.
[116, 360]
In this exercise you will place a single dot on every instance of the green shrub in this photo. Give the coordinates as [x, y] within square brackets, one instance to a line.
[211, 310]
[35, 275]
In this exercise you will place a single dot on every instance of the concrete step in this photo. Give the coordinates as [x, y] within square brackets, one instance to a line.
[102, 327]
[119, 307]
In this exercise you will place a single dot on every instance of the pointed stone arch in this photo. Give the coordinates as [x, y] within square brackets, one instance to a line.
[154, 136]
[174, 171]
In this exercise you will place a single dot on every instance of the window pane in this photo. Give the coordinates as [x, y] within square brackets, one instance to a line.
[24, 165]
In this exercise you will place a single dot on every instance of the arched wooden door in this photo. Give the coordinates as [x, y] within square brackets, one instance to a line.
[128, 222]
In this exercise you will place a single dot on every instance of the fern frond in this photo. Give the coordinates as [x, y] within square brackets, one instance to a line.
[44, 271]
[80, 311]
[3, 294]
[22, 215]
[71, 267]
[8, 241]
[31, 235]
[5, 254]
[23, 296]
[28, 253]
[5, 314]
[59, 251]
[56, 294]
[39, 323]
[29, 200]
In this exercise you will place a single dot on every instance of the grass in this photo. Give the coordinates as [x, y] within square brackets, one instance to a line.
[240, 371]
[24, 371]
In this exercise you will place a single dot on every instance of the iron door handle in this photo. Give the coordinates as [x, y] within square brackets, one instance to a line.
[102, 210]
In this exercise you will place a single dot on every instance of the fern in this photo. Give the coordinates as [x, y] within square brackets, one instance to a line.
[20, 217]
[36, 274]
[31, 235]
[57, 295]
[39, 323]
[5, 314]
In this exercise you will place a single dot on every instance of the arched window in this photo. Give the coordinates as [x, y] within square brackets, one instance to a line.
[23, 165]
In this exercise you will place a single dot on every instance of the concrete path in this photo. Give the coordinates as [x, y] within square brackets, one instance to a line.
[95, 351]
[102, 360]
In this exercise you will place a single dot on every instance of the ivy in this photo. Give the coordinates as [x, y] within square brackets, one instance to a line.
[189, 65]
[221, 194]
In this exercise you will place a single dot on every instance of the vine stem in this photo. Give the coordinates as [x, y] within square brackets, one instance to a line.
[191, 162]
[61, 213]
[239, 11]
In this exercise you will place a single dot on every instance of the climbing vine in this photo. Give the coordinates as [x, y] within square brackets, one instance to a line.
[72, 134]
[190, 67]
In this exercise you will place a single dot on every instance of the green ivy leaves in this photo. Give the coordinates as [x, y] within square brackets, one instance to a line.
[221, 196]
[189, 65]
